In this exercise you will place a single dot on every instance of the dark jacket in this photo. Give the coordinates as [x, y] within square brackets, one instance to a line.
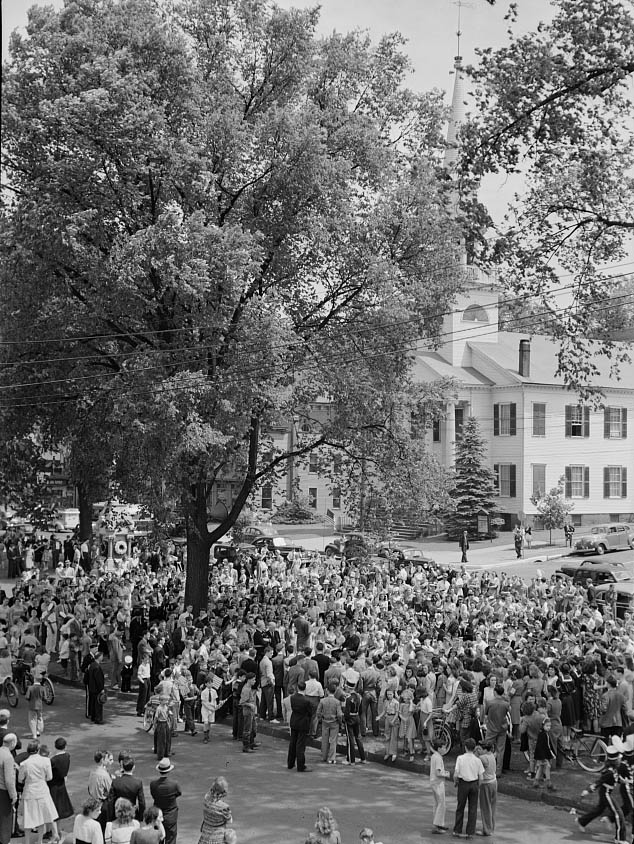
[301, 713]
[130, 787]
[164, 792]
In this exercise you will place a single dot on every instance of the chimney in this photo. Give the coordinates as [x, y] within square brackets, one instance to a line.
[525, 358]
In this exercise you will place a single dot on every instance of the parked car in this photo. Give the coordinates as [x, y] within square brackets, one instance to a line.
[598, 573]
[229, 550]
[602, 538]
[276, 543]
[351, 544]
[251, 532]
[624, 597]
[404, 553]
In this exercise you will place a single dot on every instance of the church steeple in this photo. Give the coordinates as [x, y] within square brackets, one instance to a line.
[458, 112]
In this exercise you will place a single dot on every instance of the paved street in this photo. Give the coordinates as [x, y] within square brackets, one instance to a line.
[272, 805]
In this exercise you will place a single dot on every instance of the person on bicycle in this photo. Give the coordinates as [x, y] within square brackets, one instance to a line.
[606, 785]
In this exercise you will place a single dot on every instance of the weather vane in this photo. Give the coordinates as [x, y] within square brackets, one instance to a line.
[461, 4]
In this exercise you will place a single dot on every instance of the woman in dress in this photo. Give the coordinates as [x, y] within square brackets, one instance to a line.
[119, 831]
[86, 829]
[568, 709]
[390, 712]
[60, 763]
[515, 687]
[216, 813]
[37, 803]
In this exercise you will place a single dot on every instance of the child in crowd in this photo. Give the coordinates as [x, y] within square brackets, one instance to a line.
[544, 754]
[208, 705]
[35, 718]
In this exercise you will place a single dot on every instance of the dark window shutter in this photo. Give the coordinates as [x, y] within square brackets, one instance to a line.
[512, 481]
[586, 421]
[568, 475]
[586, 482]
[624, 423]
[568, 420]
[606, 482]
[606, 423]
[496, 420]
[624, 482]
[496, 472]
[513, 420]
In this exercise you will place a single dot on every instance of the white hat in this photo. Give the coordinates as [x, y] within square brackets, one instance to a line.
[164, 766]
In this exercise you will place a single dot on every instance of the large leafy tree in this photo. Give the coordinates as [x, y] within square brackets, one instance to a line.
[555, 105]
[213, 221]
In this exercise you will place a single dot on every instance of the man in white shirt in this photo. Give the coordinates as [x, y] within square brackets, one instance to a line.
[467, 777]
[267, 685]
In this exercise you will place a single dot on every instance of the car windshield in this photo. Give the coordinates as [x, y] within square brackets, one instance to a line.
[280, 540]
[621, 575]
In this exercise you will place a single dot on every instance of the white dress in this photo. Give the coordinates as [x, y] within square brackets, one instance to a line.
[36, 801]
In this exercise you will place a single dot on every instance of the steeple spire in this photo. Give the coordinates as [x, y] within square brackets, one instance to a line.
[458, 100]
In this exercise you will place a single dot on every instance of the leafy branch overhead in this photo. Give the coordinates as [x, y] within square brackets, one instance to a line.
[555, 106]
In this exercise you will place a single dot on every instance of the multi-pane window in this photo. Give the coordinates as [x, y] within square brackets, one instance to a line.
[312, 497]
[336, 499]
[577, 420]
[267, 497]
[539, 478]
[615, 423]
[505, 419]
[435, 431]
[506, 479]
[577, 482]
[615, 482]
[313, 462]
[539, 419]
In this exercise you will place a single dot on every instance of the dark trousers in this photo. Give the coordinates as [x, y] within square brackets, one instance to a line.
[297, 750]
[353, 738]
[606, 806]
[467, 792]
[188, 712]
[369, 713]
[266, 703]
[248, 727]
[170, 822]
[278, 702]
[143, 696]
[236, 715]
[95, 709]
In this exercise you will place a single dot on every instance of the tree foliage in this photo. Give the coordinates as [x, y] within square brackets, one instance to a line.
[473, 490]
[556, 106]
[212, 220]
[553, 507]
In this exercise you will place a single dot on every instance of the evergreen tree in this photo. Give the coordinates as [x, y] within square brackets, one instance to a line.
[474, 488]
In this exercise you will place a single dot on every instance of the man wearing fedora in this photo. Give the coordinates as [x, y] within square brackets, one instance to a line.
[165, 792]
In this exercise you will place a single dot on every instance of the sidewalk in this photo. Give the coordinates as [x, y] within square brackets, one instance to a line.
[570, 781]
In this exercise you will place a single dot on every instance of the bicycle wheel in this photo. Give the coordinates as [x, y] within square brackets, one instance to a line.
[591, 754]
[28, 681]
[48, 692]
[148, 718]
[443, 735]
[11, 693]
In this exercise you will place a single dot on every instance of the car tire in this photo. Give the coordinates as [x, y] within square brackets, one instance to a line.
[601, 549]
[330, 552]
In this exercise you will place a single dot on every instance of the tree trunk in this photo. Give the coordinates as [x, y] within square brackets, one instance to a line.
[85, 512]
[198, 545]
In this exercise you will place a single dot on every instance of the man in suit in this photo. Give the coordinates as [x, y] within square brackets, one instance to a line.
[95, 682]
[301, 715]
[128, 786]
[165, 793]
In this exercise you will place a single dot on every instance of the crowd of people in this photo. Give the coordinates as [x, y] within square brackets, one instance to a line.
[335, 646]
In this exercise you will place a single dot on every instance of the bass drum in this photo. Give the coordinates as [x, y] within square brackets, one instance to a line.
[120, 548]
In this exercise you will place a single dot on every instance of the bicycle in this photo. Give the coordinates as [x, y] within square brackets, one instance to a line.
[588, 751]
[10, 690]
[148, 714]
[23, 678]
[443, 731]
